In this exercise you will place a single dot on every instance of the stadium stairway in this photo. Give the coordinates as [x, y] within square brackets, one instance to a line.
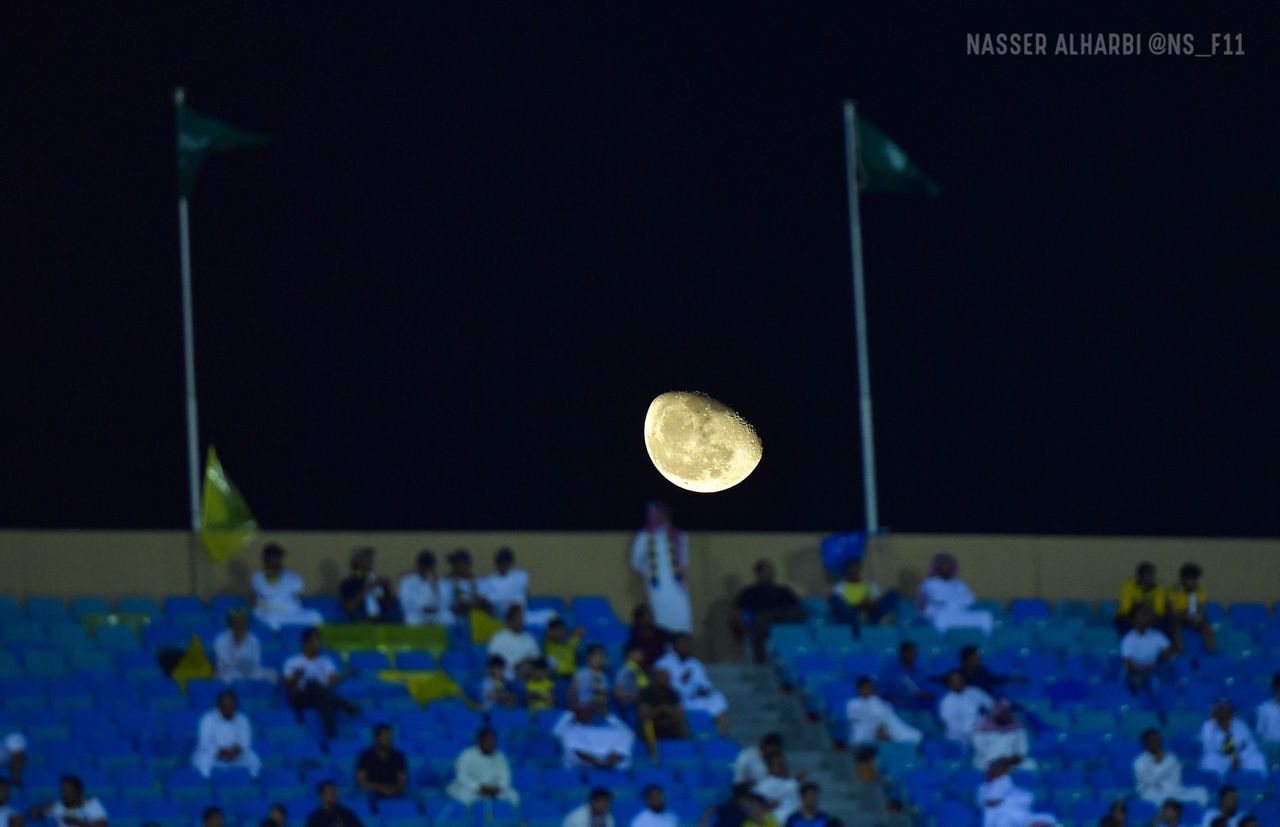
[758, 706]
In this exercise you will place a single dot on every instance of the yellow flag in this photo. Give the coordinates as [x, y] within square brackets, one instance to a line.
[194, 664]
[226, 524]
[483, 626]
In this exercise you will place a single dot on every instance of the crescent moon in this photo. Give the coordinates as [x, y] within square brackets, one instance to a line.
[698, 443]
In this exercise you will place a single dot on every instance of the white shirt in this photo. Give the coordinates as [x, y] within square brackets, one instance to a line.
[1268, 723]
[1157, 780]
[866, 716]
[1143, 649]
[474, 770]
[749, 766]
[1210, 815]
[90, 810]
[688, 677]
[596, 740]
[581, 817]
[9, 744]
[284, 595]
[216, 732]
[315, 670]
[237, 661]
[648, 818]
[505, 590]
[988, 746]
[945, 595]
[424, 601]
[961, 711]
[514, 647]
[785, 791]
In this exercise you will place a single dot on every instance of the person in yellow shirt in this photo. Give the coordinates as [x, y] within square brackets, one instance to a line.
[1137, 592]
[852, 597]
[539, 688]
[1186, 608]
[561, 648]
[758, 812]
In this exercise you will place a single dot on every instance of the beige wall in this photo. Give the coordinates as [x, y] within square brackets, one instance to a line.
[996, 566]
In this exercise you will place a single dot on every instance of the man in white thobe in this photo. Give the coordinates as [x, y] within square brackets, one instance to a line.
[1158, 774]
[660, 555]
[655, 812]
[517, 647]
[962, 708]
[237, 654]
[1004, 804]
[278, 593]
[1268, 723]
[588, 743]
[690, 679]
[779, 789]
[872, 719]
[483, 772]
[947, 601]
[225, 739]
[752, 763]
[595, 813]
[1227, 744]
[423, 601]
[1001, 735]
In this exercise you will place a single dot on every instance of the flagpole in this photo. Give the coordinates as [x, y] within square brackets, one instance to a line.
[189, 365]
[860, 322]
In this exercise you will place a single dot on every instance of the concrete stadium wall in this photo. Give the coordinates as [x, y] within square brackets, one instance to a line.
[996, 566]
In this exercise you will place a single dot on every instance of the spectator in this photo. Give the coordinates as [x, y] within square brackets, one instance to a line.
[586, 743]
[422, 595]
[648, 636]
[13, 755]
[507, 586]
[1268, 722]
[591, 684]
[1158, 774]
[331, 813]
[1228, 808]
[1186, 604]
[212, 817]
[238, 654]
[382, 771]
[871, 719]
[1170, 814]
[9, 817]
[655, 812]
[1004, 804]
[461, 590]
[690, 679]
[977, 674]
[72, 809]
[365, 594]
[962, 708]
[225, 739]
[947, 601]
[278, 593]
[1227, 744]
[1117, 815]
[660, 705]
[660, 555]
[810, 813]
[1139, 592]
[1145, 651]
[277, 816]
[904, 683]
[495, 689]
[539, 688]
[309, 681]
[483, 773]
[595, 813]
[733, 812]
[871, 793]
[779, 788]
[516, 645]
[631, 679]
[759, 813]
[561, 648]
[752, 763]
[763, 604]
[1001, 735]
[852, 598]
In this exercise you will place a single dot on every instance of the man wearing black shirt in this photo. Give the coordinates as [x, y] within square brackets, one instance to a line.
[382, 770]
[330, 813]
[660, 703]
[977, 674]
[763, 604]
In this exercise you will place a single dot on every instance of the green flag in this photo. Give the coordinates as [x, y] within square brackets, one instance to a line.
[884, 167]
[199, 135]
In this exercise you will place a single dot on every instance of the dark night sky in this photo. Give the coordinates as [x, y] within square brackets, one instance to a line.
[445, 299]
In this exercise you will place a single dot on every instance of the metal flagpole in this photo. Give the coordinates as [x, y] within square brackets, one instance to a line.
[189, 363]
[860, 321]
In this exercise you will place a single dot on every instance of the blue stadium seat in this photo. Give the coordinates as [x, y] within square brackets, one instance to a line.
[368, 660]
[221, 605]
[1028, 609]
[415, 661]
[179, 605]
[47, 610]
